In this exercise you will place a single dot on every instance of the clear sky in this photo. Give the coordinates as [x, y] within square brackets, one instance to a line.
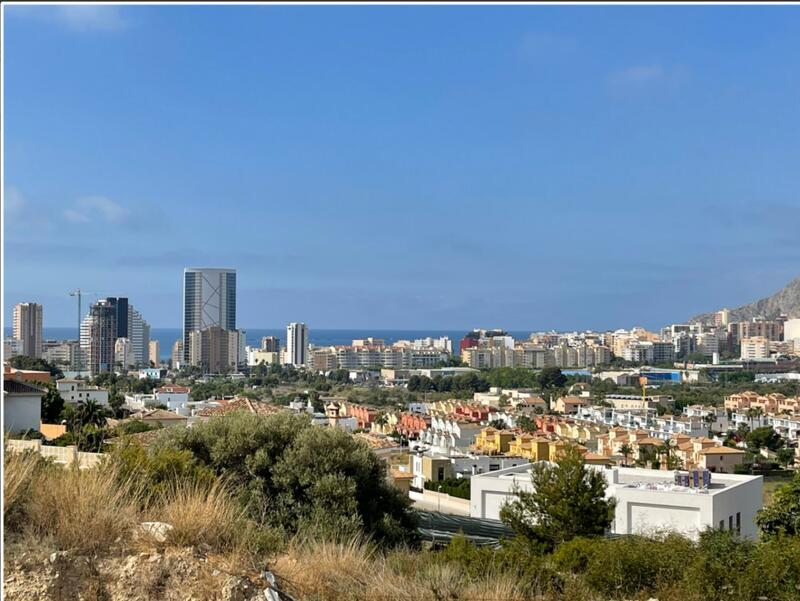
[404, 167]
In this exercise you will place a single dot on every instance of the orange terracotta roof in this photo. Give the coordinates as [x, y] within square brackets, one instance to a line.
[721, 451]
[241, 403]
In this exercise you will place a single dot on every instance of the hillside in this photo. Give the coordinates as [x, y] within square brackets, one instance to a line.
[785, 301]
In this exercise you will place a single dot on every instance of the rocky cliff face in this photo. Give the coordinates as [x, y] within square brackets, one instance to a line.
[786, 301]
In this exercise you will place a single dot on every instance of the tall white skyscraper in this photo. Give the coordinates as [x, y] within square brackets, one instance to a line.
[139, 336]
[27, 327]
[296, 344]
[209, 299]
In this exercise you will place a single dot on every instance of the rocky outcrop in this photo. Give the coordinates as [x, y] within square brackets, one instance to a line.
[172, 575]
[784, 302]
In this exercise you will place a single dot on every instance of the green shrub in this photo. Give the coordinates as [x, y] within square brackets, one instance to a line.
[455, 487]
[633, 564]
[773, 571]
[298, 478]
[154, 471]
[574, 555]
[721, 558]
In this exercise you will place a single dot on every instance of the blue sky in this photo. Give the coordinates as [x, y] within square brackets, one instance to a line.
[404, 167]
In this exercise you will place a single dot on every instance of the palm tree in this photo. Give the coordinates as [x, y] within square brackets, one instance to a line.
[90, 412]
[666, 449]
[626, 450]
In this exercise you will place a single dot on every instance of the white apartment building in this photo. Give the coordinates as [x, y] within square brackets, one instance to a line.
[12, 347]
[447, 434]
[123, 353]
[648, 501]
[791, 329]
[638, 351]
[717, 416]
[60, 351]
[624, 402]
[139, 335]
[78, 391]
[296, 344]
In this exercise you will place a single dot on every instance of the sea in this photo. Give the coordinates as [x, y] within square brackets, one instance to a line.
[167, 336]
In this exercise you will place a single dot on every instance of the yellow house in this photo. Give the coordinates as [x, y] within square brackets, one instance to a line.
[492, 441]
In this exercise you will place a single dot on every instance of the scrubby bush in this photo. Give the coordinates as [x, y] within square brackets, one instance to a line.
[156, 471]
[636, 564]
[292, 476]
[721, 557]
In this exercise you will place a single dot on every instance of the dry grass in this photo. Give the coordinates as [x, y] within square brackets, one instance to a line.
[326, 570]
[19, 470]
[201, 515]
[354, 571]
[82, 510]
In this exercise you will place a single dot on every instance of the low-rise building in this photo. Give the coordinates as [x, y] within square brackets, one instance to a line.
[569, 404]
[22, 406]
[152, 373]
[78, 391]
[174, 398]
[31, 376]
[647, 501]
[433, 466]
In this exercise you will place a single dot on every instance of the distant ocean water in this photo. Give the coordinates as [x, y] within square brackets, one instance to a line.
[167, 336]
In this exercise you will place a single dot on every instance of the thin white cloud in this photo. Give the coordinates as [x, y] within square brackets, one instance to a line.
[76, 17]
[645, 76]
[638, 75]
[91, 208]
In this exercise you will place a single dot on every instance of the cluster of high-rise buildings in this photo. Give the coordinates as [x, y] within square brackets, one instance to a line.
[484, 349]
[113, 334]
[756, 339]
[371, 353]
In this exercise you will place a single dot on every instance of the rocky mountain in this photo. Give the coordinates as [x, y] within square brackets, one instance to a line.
[785, 301]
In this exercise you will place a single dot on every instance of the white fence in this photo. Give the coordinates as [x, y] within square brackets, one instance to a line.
[63, 455]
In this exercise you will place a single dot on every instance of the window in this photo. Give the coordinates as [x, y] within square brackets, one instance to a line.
[440, 473]
[730, 522]
[738, 523]
[722, 524]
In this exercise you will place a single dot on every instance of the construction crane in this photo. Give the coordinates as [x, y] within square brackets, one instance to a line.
[79, 294]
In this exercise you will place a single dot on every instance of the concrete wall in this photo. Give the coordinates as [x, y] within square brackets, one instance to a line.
[62, 455]
[440, 501]
[747, 500]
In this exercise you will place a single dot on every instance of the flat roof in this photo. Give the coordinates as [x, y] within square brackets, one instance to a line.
[637, 478]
